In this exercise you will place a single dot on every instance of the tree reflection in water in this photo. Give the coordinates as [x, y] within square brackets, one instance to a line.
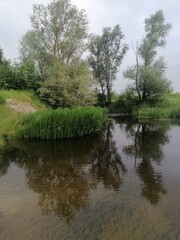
[147, 147]
[106, 161]
[64, 172]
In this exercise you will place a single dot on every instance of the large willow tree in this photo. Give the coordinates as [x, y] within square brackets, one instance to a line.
[57, 30]
[148, 74]
[55, 43]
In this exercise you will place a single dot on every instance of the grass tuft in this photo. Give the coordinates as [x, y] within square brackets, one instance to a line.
[67, 123]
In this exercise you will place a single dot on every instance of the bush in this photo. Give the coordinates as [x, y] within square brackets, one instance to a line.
[128, 101]
[55, 124]
[67, 85]
[175, 113]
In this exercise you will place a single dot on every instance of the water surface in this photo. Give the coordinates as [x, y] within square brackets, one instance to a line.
[123, 184]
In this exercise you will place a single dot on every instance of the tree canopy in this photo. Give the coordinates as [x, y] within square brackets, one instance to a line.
[58, 30]
[106, 54]
[149, 72]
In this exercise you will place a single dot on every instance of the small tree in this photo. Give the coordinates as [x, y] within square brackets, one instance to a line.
[106, 54]
[149, 73]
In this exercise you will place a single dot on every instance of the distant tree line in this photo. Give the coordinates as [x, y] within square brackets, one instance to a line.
[67, 67]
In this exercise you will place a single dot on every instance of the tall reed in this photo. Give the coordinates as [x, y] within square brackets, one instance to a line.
[67, 123]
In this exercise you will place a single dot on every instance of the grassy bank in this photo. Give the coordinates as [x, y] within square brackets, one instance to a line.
[167, 108]
[9, 118]
[67, 123]
[44, 124]
[22, 96]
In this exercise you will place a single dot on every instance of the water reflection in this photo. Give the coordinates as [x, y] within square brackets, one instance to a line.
[63, 173]
[106, 162]
[147, 148]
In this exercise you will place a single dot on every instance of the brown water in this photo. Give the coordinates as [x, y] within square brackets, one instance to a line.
[124, 184]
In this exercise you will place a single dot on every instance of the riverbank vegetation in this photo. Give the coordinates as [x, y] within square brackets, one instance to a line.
[39, 122]
[63, 66]
[10, 99]
[62, 123]
[168, 107]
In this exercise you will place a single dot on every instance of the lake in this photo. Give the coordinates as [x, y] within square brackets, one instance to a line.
[123, 184]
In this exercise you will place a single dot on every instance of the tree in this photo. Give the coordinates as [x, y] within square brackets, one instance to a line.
[26, 76]
[54, 45]
[6, 76]
[68, 85]
[57, 30]
[19, 75]
[149, 72]
[106, 54]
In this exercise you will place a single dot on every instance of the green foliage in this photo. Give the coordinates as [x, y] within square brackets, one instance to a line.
[26, 76]
[68, 85]
[54, 124]
[54, 45]
[148, 75]
[127, 101]
[106, 54]
[6, 74]
[57, 30]
[18, 76]
[22, 96]
[152, 112]
[10, 118]
[167, 107]
[100, 100]
[175, 113]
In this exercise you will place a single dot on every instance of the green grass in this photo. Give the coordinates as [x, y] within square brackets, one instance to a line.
[10, 118]
[2, 100]
[169, 107]
[67, 123]
[21, 95]
[46, 124]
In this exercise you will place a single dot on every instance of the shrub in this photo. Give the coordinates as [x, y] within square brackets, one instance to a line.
[175, 113]
[128, 101]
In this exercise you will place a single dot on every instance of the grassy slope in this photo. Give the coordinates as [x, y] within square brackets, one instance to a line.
[168, 108]
[9, 117]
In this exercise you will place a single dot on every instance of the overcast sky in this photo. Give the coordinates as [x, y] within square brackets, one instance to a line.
[129, 14]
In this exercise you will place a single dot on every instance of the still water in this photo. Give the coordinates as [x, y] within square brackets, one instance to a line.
[123, 184]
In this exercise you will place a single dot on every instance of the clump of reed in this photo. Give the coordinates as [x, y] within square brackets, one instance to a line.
[62, 123]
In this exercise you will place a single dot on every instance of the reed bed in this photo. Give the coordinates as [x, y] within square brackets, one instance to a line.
[58, 124]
